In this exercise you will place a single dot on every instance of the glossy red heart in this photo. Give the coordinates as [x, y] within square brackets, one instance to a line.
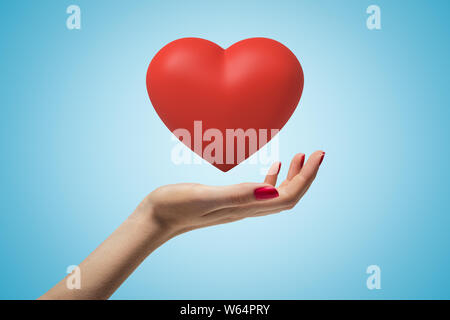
[254, 85]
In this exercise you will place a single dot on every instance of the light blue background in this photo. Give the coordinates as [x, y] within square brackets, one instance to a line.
[81, 145]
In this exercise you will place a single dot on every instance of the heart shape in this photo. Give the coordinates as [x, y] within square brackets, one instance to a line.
[212, 98]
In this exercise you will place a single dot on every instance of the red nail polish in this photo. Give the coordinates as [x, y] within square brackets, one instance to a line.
[321, 158]
[265, 193]
[279, 167]
[302, 161]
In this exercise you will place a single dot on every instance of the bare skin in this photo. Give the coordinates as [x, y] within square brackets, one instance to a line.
[174, 209]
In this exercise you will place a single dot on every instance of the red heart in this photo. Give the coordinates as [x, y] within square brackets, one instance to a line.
[255, 84]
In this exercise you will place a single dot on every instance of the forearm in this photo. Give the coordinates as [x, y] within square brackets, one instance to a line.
[178, 208]
[108, 266]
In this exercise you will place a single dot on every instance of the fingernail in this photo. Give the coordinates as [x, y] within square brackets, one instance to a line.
[265, 193]
[279, 167]
[302, 161]
[321, 158]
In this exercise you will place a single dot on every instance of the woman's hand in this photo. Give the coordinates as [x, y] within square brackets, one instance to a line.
[183, 207]
[174, 209]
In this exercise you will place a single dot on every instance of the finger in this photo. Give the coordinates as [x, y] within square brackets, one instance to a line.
[223, 219]
[232, 213]
[277, 204]
[287, 197]
[211, 222]
[267, 212]
[239, 201]
[249, 210]
[296, 165]
[302, 181]
[242, 194]
[272, 174]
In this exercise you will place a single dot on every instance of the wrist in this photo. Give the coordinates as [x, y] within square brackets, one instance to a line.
[147, 221]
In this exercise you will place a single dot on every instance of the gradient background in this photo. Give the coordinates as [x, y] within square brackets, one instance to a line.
[81, 145]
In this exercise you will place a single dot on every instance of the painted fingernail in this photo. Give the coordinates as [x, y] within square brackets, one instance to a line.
[265, 193]
[321, 158]
[302, 161]
[279, 167]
